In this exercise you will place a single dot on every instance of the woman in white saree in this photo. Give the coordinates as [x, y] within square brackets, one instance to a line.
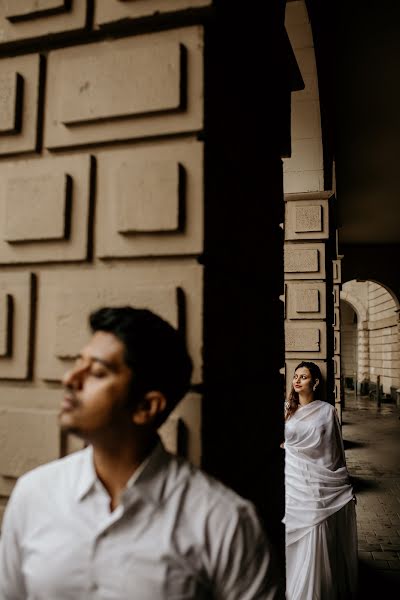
[320, 519]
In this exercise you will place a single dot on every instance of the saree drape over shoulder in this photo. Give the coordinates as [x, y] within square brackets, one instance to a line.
[321, 535]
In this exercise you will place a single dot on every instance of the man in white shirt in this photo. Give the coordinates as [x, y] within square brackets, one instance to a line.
[123, 519]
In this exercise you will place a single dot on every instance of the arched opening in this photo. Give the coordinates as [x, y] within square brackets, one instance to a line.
[370, 339]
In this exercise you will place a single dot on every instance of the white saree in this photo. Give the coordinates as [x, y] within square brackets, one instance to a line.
[321, 530]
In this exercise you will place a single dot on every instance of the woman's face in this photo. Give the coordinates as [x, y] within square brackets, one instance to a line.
[302, 381]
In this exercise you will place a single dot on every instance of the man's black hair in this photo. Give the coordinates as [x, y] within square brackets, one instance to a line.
[154, 350]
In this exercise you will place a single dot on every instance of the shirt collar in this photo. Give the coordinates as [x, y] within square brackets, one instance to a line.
[148, 479]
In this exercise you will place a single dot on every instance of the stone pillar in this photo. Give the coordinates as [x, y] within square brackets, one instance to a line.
[311, 333]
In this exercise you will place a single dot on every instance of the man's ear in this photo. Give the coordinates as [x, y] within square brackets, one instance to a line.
[153, 404]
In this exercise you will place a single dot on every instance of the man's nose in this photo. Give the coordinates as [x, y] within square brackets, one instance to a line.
[73, 377]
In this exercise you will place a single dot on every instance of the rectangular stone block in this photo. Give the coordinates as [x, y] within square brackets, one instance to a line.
[336, 342]
[108, 12]
[38, 208]
[336, 318]
[27, 20]
[11, 91]
[67, 297]
[307, 216]
[19, 103]
[121, 84]
[337, 271]
[336, 366]
[304, 261]
[29, 432]
[150, 200]
[46, 206]
[17, 292]
[6, 322]
[127, 88]
[305, 338]
[148, 197]
[19, 10]
[305, 300]
[336, 294]
[308, 219]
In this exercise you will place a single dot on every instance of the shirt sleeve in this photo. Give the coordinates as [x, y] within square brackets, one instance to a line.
[244, 567]
[11, 579]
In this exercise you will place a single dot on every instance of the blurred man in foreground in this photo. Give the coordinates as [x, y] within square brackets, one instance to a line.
[124, 519]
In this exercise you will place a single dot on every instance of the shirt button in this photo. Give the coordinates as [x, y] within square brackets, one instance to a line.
[94, 586]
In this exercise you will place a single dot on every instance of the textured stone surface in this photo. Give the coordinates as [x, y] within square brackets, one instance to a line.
[305, 300]
[147, 196]
[306, 216]
[163, 93]
[150, 200]
[11, 93]
[305, 339]
[19, 103]
[304, 261]
[22, 20]
[46, 203]
[20, 287]
[36, 207]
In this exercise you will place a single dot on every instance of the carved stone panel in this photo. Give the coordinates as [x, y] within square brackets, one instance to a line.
[305, 300]
[16, 306]
[19, 104]
[337, 271]
[25, 20]
[124, 89]
[306, 220]
[150, 200]
[305, 338]
[337, 342]
[67, 298]
[108, 12]
[304, 261]
[45, 208]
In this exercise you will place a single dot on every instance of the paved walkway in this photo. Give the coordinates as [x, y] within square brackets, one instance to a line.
[372, 443]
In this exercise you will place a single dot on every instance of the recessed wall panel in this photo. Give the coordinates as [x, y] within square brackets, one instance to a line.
[305, 338]
[305, 300]
[304, 261]
[27, 20]
[150, 200]
[16, 304]
[122, 89]
[45, 208]
[19, 104]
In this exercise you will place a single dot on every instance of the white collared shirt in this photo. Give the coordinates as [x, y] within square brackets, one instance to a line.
[176, 534]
